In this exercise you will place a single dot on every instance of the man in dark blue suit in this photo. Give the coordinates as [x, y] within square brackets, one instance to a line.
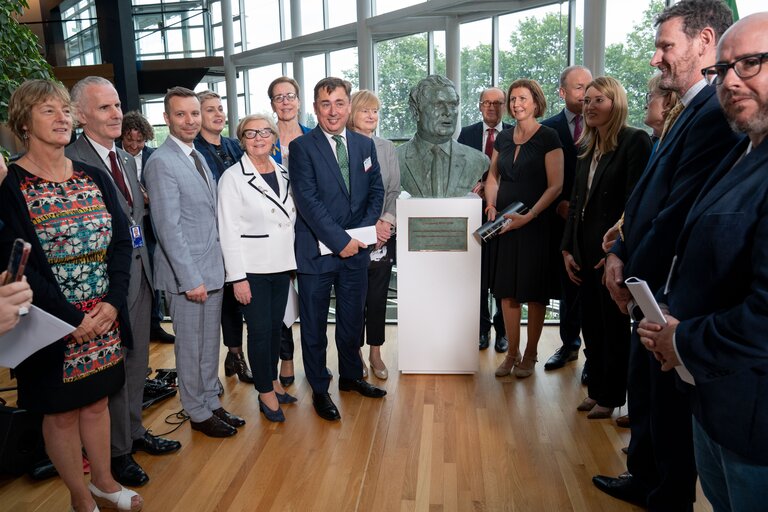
[569, 124]
[481, 136]
[717, 292]
[336, 186]
[660, 459]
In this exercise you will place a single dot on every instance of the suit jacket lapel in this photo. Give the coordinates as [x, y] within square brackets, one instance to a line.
[600, 171]
[187, 163]
[330, 158]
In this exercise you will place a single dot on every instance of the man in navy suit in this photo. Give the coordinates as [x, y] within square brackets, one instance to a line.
[718, 288]
[660, 459]
[481, 136]
[336, 186]
[569, 125]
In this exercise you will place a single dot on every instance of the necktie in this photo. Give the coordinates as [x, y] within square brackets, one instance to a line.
[672, 116]
[200, 168]
[343, 158]
[576, 128]
[489, 142]
[117, 175]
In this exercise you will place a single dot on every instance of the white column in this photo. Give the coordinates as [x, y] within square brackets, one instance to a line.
[230, 72]
[364, 46]
[453, 57]
[594, 36]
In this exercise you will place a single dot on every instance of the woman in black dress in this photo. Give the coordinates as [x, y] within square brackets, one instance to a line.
[79, 271]
[526, 166]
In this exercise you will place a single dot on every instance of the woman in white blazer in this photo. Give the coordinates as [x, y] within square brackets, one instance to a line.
[256, 217]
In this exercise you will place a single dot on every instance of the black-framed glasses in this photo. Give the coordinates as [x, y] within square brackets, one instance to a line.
[488, 103]
[264, 133]
[280, 98]
[744, 67]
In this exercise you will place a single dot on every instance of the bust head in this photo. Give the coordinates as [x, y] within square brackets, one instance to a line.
[435, 105]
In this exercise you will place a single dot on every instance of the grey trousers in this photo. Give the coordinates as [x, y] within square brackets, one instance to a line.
[198, 331]
[125, 405]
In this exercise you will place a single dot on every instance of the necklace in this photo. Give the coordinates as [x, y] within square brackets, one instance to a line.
[45, 174]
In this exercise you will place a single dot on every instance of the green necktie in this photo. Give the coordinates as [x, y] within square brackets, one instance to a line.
[341, 155]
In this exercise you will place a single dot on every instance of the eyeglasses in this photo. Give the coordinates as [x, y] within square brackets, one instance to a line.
[264, 133]
[745, 67]
[487, 103]
[280, 98]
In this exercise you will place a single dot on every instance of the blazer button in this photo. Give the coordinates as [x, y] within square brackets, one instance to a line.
[273, 210]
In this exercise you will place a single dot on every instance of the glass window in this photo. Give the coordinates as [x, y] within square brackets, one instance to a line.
[258, 82]
[344, 65]
[476, 66]
[182, 28]
[438, 38]
[314, 71]
[341, 12]
[312, 19]
[400, 64]
[81, 38]
[262, 23]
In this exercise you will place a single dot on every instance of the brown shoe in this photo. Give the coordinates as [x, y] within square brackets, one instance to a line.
[214, 427]
[600, 413]
[228, 418]
[586, 405]
[623, 421]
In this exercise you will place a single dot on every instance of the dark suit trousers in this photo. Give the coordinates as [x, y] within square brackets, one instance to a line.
[125, 406]
[375, 318]
[485, 283]
[351, 286]
[570, 298]
[606, 338]
[660, 452]
[286, 343]
[231, 318]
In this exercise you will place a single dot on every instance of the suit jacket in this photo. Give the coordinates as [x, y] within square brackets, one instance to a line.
[559, 122]
[188, 252]
[82, 151]
[277, 154]
[593, 212]
[467, 167]
[325, 207]
[719, 291]
[663, 195]
[472, 135]
[255, 224]
[212, 158]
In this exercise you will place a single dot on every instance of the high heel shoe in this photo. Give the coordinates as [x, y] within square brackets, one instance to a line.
[120, 500]
[381, 373]
[285, 398]
[600, 413]
[521, 372]
[235, 363]
[506, 366]
[275, 416]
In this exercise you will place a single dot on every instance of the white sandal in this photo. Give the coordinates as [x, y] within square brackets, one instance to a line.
[120, 500]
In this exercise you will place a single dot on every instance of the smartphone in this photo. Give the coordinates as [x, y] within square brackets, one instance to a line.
[18, 260]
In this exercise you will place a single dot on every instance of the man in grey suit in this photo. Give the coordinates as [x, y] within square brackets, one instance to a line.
[97, 107]
[189, 265]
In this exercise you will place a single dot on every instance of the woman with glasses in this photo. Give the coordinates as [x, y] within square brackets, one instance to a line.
[611, 159]
[220, 154]
[256, 217]
[284, 96]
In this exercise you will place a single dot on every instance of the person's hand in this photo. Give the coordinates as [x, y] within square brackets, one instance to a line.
[609, 238]
[383, 231]
[352, 248]
[490, 212]
[571, 267]
[87, 330]
[479, 189]
[242, 291]
[658, 339]
[198, 294]
[562, 209]
[515, 221]
[104, 314]
[614, 281]
[13, 297]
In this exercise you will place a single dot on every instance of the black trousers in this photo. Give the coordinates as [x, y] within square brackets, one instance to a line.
[606, 338]
[375, 314]
[570, 310]
[660, 454]
[231, 318]
[485, 283]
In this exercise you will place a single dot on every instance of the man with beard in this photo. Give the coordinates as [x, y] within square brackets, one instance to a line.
[716, 325]
[660, 461]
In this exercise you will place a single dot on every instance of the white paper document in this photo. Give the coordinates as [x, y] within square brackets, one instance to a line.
[34, 331]
[292, 307]
[367, 235]
[643, 297]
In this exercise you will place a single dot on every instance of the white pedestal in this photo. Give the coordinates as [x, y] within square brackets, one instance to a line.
[438, 310]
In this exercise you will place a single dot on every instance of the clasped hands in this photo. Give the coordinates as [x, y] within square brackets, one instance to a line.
[96, 322]
[659, 340]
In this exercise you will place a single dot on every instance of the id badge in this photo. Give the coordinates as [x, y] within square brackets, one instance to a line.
[137, 237]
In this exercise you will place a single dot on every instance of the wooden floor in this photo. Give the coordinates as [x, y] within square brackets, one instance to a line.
[435, 443]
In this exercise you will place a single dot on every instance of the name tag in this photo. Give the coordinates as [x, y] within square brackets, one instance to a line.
[137, 237]
[367, 164]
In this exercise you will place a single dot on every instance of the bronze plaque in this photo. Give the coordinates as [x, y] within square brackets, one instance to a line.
[446, 234]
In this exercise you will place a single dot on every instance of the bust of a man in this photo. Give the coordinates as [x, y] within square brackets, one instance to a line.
[432, 164]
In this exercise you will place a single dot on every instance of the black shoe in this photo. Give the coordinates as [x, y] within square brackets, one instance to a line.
[324, 407]
[285, 398]
[361, 386]
[584, 376]
[235, 363]
[624, 488]
[286, 381]
[485, 340]
[560, 357]
[158, 334]
[128, 472]
[214, 427]
[502, 344]
[229, 418]
[275, 416]
[155, 445]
